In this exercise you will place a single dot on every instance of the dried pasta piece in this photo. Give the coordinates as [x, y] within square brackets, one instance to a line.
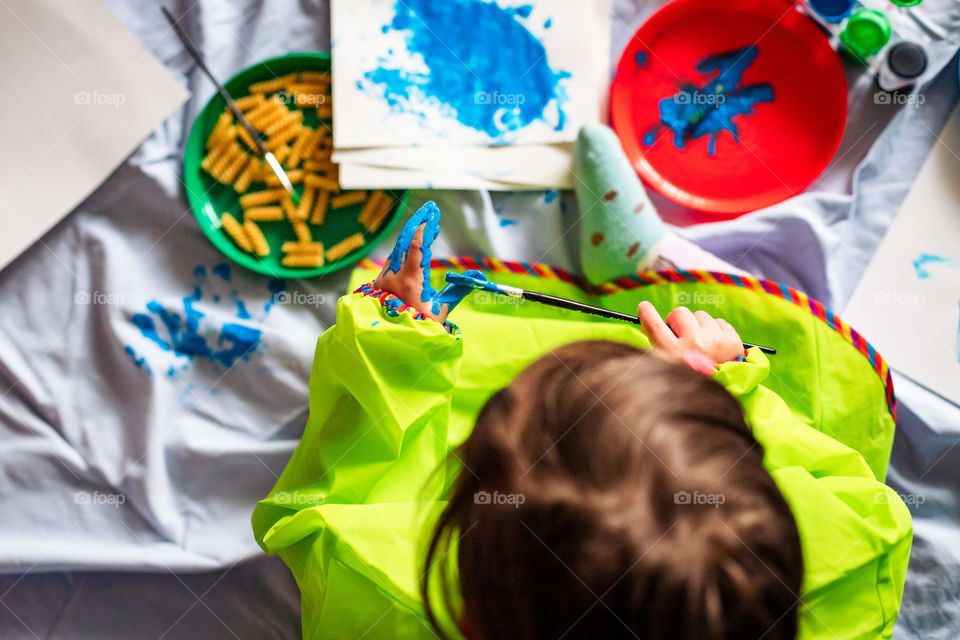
[302, 231]
[257, 240]
[317, 166]
[318, 77]
[264, 214]
[289, 210]
[230, 153]
[321, 183]
[295, 176]
[267, 113]
[247, 140]
[344, 247]
[306, 203]
[370, 206]
[233, 169]
[274, 85]
[321, 153]
[246, 103]
[320, 208]
[296, 149]
[325, 111]
[258, 198]
[236, 232]
[284, 136]
[375, 220]
[218, 134]
[303, 260]
[302, 247]
[242, 183]
[348, 199]
[212, 158]
[283, 123]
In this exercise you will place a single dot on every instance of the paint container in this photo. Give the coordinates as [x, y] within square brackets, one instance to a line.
[866, 33]
[905, 62]
[833, 11]
[906, 3]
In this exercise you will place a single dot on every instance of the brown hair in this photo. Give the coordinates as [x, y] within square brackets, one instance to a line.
[607, 492]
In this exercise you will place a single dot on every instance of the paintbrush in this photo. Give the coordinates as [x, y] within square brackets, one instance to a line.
[553, 301]
[242, 119]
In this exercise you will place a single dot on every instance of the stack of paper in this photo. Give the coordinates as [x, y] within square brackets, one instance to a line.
[469, 94]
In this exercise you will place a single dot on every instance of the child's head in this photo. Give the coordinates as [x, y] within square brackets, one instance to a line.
[607, 492]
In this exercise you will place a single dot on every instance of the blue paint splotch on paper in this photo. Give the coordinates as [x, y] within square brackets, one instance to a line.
[922, 261]
[483, 67]
[698, 110]
[190, 332]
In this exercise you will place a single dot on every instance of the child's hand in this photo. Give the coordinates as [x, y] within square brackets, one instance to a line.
[407, 272]
[698, 339]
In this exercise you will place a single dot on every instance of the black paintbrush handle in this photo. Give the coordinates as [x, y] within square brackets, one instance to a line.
[563, 303]
[195, 53]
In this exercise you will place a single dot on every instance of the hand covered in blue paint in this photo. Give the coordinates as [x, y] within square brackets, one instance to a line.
[407, 272]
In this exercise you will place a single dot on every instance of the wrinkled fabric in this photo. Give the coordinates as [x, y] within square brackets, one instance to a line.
[191, 454]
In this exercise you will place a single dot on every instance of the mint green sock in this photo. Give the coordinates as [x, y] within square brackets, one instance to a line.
[619, 225]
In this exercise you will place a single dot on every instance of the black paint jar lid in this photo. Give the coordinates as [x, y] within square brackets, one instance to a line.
[907, 59]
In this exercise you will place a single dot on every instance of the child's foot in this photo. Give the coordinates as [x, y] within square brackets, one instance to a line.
[619, 225]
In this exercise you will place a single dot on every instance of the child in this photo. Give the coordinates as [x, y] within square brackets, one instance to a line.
[538, 473]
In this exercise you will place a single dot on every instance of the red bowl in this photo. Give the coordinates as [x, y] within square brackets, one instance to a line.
[785, 140]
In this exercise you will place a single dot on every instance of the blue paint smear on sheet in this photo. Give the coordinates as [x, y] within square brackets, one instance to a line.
[506, 222]
[484, 67]
[924, 259]
[140, 361]
[695, 110]
[550, 196]
[190, 333]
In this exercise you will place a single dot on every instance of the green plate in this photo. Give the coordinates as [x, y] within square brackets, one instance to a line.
[209, 199]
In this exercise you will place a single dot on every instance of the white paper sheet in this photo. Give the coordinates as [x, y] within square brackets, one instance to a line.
[541, 165]
[365, 119]
[365, 176]
[80, 94]
[908, 302]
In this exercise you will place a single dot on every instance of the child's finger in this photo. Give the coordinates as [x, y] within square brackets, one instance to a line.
[705, 319]
[682, 321]
[653, 325]
[727, 328]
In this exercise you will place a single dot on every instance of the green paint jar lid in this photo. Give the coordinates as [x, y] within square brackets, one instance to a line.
[906, 3]
[866, 33]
